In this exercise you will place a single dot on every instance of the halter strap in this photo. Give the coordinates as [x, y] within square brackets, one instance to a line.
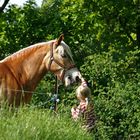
[51, 56]
[58, 63]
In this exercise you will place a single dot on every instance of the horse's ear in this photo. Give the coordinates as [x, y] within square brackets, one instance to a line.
[61, 37]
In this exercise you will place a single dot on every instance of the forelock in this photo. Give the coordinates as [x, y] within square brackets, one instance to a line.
[67, 48]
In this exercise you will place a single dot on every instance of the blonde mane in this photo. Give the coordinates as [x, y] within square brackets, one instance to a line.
[32, 48]
[25, 51]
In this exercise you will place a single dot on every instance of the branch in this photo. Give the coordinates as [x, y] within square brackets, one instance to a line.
[3, 6]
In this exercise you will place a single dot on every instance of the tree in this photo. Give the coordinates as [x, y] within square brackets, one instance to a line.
[3, 5]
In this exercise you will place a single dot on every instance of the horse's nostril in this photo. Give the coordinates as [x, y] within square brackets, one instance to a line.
[77, 79]
[69, 77]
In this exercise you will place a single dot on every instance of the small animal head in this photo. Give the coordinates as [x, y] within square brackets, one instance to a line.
[61, 62]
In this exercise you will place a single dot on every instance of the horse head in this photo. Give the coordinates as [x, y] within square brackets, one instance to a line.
[61, 63]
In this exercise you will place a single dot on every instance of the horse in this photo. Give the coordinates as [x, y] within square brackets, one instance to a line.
[21, 72]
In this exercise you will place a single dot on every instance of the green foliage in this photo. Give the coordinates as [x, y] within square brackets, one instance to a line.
[104, 37]
[20, 23]
[44, 92]
[119, 112]
[105, 69]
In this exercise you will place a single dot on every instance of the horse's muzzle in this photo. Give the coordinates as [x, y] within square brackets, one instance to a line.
[72, 76]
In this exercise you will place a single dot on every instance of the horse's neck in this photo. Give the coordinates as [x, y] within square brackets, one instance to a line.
[29, 68]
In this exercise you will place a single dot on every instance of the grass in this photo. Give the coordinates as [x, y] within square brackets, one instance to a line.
[39, 124]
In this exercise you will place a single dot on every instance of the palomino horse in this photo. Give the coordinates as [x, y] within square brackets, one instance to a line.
[21, 72]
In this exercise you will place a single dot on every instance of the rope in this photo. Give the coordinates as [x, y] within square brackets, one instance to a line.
[55, 98]
[25, 91]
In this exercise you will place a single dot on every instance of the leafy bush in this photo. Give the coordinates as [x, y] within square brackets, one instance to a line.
[118, 112]
[116, 91]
